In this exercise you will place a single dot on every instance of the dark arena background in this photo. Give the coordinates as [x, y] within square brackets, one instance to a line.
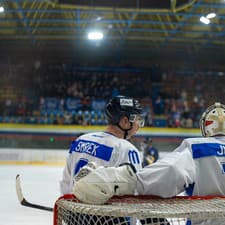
[55, 79]
[62, 60]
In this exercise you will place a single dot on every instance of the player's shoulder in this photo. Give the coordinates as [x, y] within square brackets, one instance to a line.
[194, 139]
[127, 145]
[200, 140]
[125, 141]
[92, 135]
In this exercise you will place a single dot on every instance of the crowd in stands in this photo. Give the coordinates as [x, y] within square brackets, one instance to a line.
[63, 94]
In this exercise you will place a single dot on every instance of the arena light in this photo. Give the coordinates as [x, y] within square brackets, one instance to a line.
[211, 15]
[98, 18]
[204, 20]
[95, 35]
[2, 9]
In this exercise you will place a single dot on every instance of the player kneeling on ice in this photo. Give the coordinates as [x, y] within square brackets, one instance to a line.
[196, 167]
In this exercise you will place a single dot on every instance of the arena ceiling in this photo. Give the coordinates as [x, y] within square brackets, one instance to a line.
[139, 24]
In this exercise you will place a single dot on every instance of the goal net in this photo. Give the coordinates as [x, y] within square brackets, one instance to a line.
[138, 210]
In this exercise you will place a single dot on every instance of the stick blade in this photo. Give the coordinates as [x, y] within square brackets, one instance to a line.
[24, 202]
[18, 189]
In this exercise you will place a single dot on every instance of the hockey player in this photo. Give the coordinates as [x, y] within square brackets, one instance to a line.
[151, 154]
[107, 148]
[197, 166]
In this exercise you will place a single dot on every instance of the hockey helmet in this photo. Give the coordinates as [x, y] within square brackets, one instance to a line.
[212, 122]
[120, 106]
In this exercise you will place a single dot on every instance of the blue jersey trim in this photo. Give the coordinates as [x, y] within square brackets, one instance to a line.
[188, 222]
[92, 148]
[133, 157]
[208, 149]
[189, 190]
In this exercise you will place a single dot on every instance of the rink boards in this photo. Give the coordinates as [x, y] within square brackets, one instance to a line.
[49, 144]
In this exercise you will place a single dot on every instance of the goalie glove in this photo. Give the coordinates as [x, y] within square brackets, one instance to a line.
[104, 182]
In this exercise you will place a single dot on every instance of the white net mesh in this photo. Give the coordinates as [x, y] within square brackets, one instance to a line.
[130, 210]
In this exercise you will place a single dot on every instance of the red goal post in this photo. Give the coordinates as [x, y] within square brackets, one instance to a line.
[133, 210]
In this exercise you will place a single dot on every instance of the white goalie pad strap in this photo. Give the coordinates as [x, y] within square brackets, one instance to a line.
[101, 184]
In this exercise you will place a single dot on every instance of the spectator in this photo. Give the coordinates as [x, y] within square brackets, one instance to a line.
[151, 154]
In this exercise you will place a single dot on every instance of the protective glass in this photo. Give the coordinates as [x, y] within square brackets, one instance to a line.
[140, 119]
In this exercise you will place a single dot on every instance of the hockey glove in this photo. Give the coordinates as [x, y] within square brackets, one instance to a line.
[104, 182]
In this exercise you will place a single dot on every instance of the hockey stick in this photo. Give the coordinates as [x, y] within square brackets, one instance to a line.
[23, 201]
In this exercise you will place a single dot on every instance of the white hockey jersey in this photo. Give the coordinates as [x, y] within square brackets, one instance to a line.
[197, 166]
[101, 147]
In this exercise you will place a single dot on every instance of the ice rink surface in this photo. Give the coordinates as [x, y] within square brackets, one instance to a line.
[40, 185]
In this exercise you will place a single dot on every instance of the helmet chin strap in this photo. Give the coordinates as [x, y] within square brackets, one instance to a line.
[125, 130]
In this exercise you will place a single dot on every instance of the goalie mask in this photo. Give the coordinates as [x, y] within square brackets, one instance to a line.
[212, 122]
[120, 106]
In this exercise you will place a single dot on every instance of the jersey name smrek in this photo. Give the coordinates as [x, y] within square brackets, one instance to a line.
[87, 147]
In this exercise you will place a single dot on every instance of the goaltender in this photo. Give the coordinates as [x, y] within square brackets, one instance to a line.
[197, 167]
